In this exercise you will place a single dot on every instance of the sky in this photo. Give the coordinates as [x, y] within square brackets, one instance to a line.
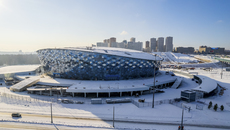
[29, 25]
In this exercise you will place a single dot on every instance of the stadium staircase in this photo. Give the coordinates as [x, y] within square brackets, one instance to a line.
[177, 83]
[169, 56]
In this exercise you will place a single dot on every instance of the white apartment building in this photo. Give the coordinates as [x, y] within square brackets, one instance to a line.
[169, 44]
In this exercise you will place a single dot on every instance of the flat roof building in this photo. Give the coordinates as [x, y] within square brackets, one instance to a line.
[211, 50]
[185, 50]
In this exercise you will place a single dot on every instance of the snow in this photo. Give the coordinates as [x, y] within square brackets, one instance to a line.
[24, 84]
[176, 57]
[164, 116]
[18, 68]
[207, 85]
[90, 86]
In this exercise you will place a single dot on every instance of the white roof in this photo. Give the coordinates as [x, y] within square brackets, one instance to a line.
[24, 84]
[207, 84]
[116, 51]
[18, 69]
[109, 86]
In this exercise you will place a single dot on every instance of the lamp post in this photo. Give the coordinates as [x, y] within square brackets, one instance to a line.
[51, 113]
[221, 70]
[154, 81]
[181, 127]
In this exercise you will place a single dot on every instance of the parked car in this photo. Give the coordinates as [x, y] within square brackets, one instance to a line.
[79, 102]
[16, 115]
[67, 101]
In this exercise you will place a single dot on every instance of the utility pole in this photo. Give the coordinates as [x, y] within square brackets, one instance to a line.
[221, 70]
[181, 127]
[51, 112]
[154, 81]
[113, 115]
[57, 93]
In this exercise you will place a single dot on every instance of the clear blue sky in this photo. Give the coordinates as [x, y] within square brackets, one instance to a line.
[29, 25]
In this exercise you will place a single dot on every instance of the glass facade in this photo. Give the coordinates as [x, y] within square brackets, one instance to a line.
[85, 65]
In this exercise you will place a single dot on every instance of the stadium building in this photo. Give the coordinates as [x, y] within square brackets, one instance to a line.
[98, 63]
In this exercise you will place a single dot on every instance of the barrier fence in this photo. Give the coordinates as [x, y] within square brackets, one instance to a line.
[166, 101]
[22, 100]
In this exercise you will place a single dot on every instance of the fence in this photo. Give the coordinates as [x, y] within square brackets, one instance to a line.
[166, 101]
[22, 100]
[19, 99]
[141, 104]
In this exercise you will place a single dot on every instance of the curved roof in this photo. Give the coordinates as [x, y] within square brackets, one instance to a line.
[18, 69]
[114, 51]
[207, 85]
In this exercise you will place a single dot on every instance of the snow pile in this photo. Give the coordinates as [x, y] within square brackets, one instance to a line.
[176, 57]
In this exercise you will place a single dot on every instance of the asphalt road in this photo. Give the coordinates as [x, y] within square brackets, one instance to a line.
[42, 122]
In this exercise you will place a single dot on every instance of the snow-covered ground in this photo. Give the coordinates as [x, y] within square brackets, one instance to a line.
[35, 109]
[164, 113]
[175, 58]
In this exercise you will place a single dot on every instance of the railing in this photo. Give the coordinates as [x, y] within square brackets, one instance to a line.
[149, 104]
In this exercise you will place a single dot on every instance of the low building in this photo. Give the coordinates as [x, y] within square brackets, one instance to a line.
[207, 86]
[135, 46]
[211, 50]
[185, 50]
[188, 95]
[101, 44]
[120, 45]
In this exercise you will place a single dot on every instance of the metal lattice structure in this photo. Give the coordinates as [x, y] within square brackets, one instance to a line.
[89, 65]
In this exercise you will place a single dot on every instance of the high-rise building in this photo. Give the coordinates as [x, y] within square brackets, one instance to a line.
[160, 44]
[112, 40]
[169, 44]
[146, 44]
[132, 39]
[153, 43]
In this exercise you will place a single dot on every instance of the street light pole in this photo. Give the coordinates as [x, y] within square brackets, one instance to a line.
[113, 115]
[51, 113]
[221, 70]
[154, 82]
[182, 127]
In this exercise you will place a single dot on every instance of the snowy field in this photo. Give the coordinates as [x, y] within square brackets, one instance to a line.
[36, 109]
[164, 113]
[175, 58]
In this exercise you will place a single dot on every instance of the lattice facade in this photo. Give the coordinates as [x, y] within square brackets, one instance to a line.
[83, 65]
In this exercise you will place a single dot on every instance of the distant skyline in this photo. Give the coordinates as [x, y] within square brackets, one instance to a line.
[29, 25]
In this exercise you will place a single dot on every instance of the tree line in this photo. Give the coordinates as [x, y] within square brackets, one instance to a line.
[19, 59]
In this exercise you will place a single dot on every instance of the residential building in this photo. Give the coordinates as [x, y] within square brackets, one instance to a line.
[169, 44]
[153, 44]
[160, 44]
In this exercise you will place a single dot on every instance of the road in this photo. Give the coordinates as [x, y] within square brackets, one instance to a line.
[42, 122]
